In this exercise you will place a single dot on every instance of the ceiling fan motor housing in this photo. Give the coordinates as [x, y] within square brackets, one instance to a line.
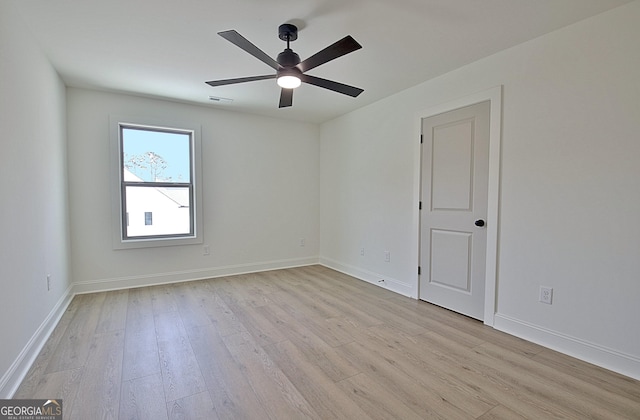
[288, 58]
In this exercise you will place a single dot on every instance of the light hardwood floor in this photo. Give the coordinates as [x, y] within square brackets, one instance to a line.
[303, 343]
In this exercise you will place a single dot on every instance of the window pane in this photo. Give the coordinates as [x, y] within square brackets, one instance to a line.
[157, 211]
[156, 156]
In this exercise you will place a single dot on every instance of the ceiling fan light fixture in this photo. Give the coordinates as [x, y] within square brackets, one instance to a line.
[289, 81]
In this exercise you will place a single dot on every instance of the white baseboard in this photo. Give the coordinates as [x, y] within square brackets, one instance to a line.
[103, 285]
[601, 356]
[369, 276]
[12, 378]
[607, 358]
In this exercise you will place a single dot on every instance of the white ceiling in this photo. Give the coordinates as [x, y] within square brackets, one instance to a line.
[169, 48]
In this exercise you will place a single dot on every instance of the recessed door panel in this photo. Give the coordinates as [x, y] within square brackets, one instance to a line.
[452, 166]
[450, 264]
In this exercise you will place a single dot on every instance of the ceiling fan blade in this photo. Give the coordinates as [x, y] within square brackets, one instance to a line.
[242, 42]
[286, 98]
[333, 51]
[239, 80]
[331, 85]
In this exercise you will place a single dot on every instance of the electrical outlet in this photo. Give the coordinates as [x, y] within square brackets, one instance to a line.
[387, 256]
[546, 294]
[362, 252]
[206, 250]
[302, 242]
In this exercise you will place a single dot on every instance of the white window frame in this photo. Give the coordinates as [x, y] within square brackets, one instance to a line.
[118, 217]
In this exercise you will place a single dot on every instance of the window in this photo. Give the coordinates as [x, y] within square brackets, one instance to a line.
[156, 186]
[156, 174]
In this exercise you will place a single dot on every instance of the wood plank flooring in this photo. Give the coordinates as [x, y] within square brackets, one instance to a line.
[304, 343]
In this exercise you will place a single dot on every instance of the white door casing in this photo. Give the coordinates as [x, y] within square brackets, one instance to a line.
[455, 164]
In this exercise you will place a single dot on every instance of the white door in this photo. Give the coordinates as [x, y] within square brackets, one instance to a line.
[453, 239]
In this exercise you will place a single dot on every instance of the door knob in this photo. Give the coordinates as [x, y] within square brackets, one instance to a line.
[479, 223]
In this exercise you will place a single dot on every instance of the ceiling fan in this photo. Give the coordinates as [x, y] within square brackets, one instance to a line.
[290, 71]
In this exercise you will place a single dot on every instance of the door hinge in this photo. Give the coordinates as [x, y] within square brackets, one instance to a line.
[419, 270]
[419, 205]
[421, 138]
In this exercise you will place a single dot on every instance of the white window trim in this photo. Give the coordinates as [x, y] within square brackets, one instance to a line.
[118, 242]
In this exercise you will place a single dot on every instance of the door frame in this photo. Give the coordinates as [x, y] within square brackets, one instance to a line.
[494, 96]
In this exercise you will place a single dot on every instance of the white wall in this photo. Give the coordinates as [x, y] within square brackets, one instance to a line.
[33, 189]
[570, 190]
[260, 194]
